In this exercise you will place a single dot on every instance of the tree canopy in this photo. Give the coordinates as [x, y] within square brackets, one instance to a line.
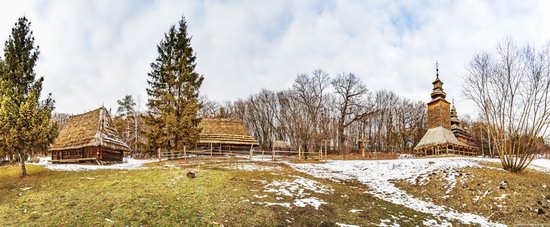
[173, 92]
[25, 120]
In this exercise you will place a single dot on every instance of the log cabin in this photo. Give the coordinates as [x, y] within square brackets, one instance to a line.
[89, 137]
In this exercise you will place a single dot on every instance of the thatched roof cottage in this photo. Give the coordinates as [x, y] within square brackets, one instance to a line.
[229, 134]
[89, 137]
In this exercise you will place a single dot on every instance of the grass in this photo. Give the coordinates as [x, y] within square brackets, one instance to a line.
[162, 195]
[478, 191]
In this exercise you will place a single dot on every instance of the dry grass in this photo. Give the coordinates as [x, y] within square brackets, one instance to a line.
[162, 195]
[478, 191]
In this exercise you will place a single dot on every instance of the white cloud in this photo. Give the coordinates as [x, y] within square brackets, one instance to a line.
[95, 52]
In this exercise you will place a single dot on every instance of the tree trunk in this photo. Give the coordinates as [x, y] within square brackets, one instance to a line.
[341, 138]
[23, 168]
[11, 158]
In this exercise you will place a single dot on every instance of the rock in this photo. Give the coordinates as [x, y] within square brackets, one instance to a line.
[191, 174]
[431, 162]
[503, 185]
[540, 211]
[539, 202]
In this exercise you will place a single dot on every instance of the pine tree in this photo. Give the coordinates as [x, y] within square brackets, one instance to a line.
[127, 120]
[3, 93]
[25, 120]
[173, 92]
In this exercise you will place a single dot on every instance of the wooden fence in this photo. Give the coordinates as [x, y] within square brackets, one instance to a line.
[275, 154]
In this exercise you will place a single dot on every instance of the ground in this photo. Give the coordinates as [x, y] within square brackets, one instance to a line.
[236, 191]
[506, 198]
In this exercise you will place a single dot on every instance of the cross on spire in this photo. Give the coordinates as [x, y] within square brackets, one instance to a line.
[436, 69]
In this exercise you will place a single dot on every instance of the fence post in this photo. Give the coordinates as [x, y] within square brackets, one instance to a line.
[211, 149]
[185, 152]
[326, 150]
[299, 152]
[272, 153]
[158, 152]
[251, 146]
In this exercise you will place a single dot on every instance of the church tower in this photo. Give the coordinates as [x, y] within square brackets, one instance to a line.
[439, 109]
[444, 135]
[460, 133]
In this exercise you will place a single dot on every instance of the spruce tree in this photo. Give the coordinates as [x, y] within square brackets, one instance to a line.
[3, 148]
[25, 120]
[173, 92]
[125, 120]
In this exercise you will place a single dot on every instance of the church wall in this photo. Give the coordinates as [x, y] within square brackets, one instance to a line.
[439, 114]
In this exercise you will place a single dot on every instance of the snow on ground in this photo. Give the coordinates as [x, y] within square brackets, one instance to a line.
[299, 189]
[128, 163]
[312, 201]
[251, 167]
[541, 165]
[378, 174]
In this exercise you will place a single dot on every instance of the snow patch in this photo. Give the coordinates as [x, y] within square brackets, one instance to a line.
[312, 201]
[542, 165]
[251, 167]
[297, 187]
[128, 163]
[378, 174]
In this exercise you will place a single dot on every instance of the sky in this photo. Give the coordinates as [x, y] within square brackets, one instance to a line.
[92, 53]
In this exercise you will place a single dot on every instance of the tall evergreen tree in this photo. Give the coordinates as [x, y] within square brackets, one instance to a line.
[3, 149]
[173, 92]
[25, 120]
[127, 120]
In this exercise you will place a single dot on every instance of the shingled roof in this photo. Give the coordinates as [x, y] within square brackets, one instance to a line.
[94, 128]
[225, 131]
[438, 135]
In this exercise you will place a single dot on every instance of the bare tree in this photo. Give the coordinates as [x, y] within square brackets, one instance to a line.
[511, 90]
[309, 92]
[352, 103]
[209, 108]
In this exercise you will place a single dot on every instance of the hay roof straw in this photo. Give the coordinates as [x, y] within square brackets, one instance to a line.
[94, 128]
[225, 131]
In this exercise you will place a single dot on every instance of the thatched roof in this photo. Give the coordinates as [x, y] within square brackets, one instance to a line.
[94, 128]
[436, 136]
[281, 144]
[225, 131]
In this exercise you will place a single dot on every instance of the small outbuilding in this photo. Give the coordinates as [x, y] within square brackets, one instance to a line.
[89, 137]
[225, 134]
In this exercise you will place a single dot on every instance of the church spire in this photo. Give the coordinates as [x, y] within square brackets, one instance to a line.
[438, 85]
[454, 116]
[436, 70]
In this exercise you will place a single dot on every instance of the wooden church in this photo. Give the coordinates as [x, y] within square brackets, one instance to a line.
[445, 134]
